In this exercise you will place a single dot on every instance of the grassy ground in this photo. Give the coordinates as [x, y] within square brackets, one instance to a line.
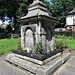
[70, 43]
[8, 44]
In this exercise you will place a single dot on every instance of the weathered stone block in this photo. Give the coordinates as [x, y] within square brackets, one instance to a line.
[66, 57]
[48, 68]
[38, 61]
[9, 56]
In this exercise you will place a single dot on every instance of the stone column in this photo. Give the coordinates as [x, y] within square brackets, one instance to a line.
[43, 40]
[39, 28]
[22, 38]
[36, 34]
[52, 38]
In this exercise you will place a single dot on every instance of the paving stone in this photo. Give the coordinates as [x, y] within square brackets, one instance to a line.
[68, 68]
[66, 73]
[8, 69]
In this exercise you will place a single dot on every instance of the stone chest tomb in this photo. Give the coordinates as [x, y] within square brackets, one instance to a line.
[37, 25]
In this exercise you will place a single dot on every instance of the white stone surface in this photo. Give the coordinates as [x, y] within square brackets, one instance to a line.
[38, 9]
[38, 61]
[43, 28]
[29, 40]
[65, 58]
[46, 69]
[22, 38]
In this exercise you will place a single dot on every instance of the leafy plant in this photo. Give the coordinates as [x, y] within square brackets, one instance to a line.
[19, 46]
[50, 49]
[73, 34]
[31, 51]
[38, 47]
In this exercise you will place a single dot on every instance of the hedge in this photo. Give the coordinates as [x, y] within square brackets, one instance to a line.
[66, 33]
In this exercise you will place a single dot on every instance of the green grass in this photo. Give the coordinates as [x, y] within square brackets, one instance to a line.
[70, 43]
[7, 45]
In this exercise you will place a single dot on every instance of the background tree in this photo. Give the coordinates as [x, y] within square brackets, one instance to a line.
[59, 10]
[14, 9]
[18, 8]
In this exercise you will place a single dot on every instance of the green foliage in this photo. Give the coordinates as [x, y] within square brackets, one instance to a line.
[38, 47]
[5, 33]
[19, 8]
[44, 53]
[7, 45]
[15, 9]
[65, 37]
[69, 43]
[48, 5]
[59, 44]
[19, 46]
[73, 34]
[59, 10]
[31, 51]
[50, 49]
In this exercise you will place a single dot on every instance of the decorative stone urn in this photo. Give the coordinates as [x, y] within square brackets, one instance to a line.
[37, 25]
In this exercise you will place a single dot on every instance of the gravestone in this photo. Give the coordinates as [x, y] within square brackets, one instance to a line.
[37, 25]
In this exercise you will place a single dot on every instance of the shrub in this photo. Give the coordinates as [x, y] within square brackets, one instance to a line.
[73, 34]
[19, 46]
[60, 44]
[64, 37]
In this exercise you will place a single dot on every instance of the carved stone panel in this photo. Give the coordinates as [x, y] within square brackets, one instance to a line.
[29, 40]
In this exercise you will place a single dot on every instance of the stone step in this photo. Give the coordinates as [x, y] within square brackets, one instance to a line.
[37, 61]
[38, 69]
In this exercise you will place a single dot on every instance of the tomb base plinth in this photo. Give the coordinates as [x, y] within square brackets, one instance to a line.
[37, 67]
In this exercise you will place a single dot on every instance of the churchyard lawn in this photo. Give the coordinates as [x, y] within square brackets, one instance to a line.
[70, 43]
[7, 45]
